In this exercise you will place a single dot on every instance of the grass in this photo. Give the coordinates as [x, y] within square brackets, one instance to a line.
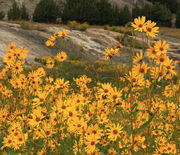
[99, 71]
[171, 32]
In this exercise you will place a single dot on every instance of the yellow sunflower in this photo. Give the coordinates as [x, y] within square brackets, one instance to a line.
[138, 58]
[139, 24]
[150, 29]
[114, 132]
[61, 56]
[152, 53]
[161, 46]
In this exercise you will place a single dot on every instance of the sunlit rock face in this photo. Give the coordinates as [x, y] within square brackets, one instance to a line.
[130, 3]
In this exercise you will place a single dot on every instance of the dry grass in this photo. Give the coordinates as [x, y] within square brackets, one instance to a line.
[171, 32]
[34, 24]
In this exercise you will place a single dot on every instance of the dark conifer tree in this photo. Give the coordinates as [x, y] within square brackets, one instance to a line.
[147, 11]
[46, 11]
[136, 11]
[2, 15]
[178, 19]
[161, 14]
[125, 15]
[24, 13]
[15, 12]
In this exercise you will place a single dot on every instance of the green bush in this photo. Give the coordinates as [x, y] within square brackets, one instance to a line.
[74, 25]
[25, 25]
[46, 11]
[132, 42]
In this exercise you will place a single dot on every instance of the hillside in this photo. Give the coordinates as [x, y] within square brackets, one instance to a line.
[31, 4]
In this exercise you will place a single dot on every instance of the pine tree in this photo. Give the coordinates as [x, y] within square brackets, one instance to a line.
[98, 12]
[161, 14]
[178, 19]
[24, 13]
[46, 11]
[71, 11]
[125, 16]
[14, 13]
[173, 5]
[136, 11]
[81, 11]
[115, 15]
[2, 15]
[147, 11]
[106, 13]
[88, 11]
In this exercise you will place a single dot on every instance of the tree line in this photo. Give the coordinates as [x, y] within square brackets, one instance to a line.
[97, 12]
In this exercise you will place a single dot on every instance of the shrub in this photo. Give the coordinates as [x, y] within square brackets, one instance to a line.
[84, 26]
[121, 30]
[106, 27]
[72, 24]
[78, 26]
[25, 25]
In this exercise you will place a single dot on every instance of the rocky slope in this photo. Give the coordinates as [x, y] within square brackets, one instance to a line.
[90, 44]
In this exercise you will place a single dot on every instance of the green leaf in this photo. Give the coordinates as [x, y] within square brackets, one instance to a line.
[134, 106]
[145, 124]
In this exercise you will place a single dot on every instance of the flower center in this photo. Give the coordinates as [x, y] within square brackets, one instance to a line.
[161, 49]
[115, 132]
[133, 80]
[149, 29]
[37, 119]
[142, 70]
[47, 133]
[105, 90]
[161, 59]
[140, 25]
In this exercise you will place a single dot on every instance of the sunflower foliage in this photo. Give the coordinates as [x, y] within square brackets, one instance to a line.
[41, 114]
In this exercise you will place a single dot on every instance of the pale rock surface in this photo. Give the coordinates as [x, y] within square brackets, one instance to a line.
[89, 45]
